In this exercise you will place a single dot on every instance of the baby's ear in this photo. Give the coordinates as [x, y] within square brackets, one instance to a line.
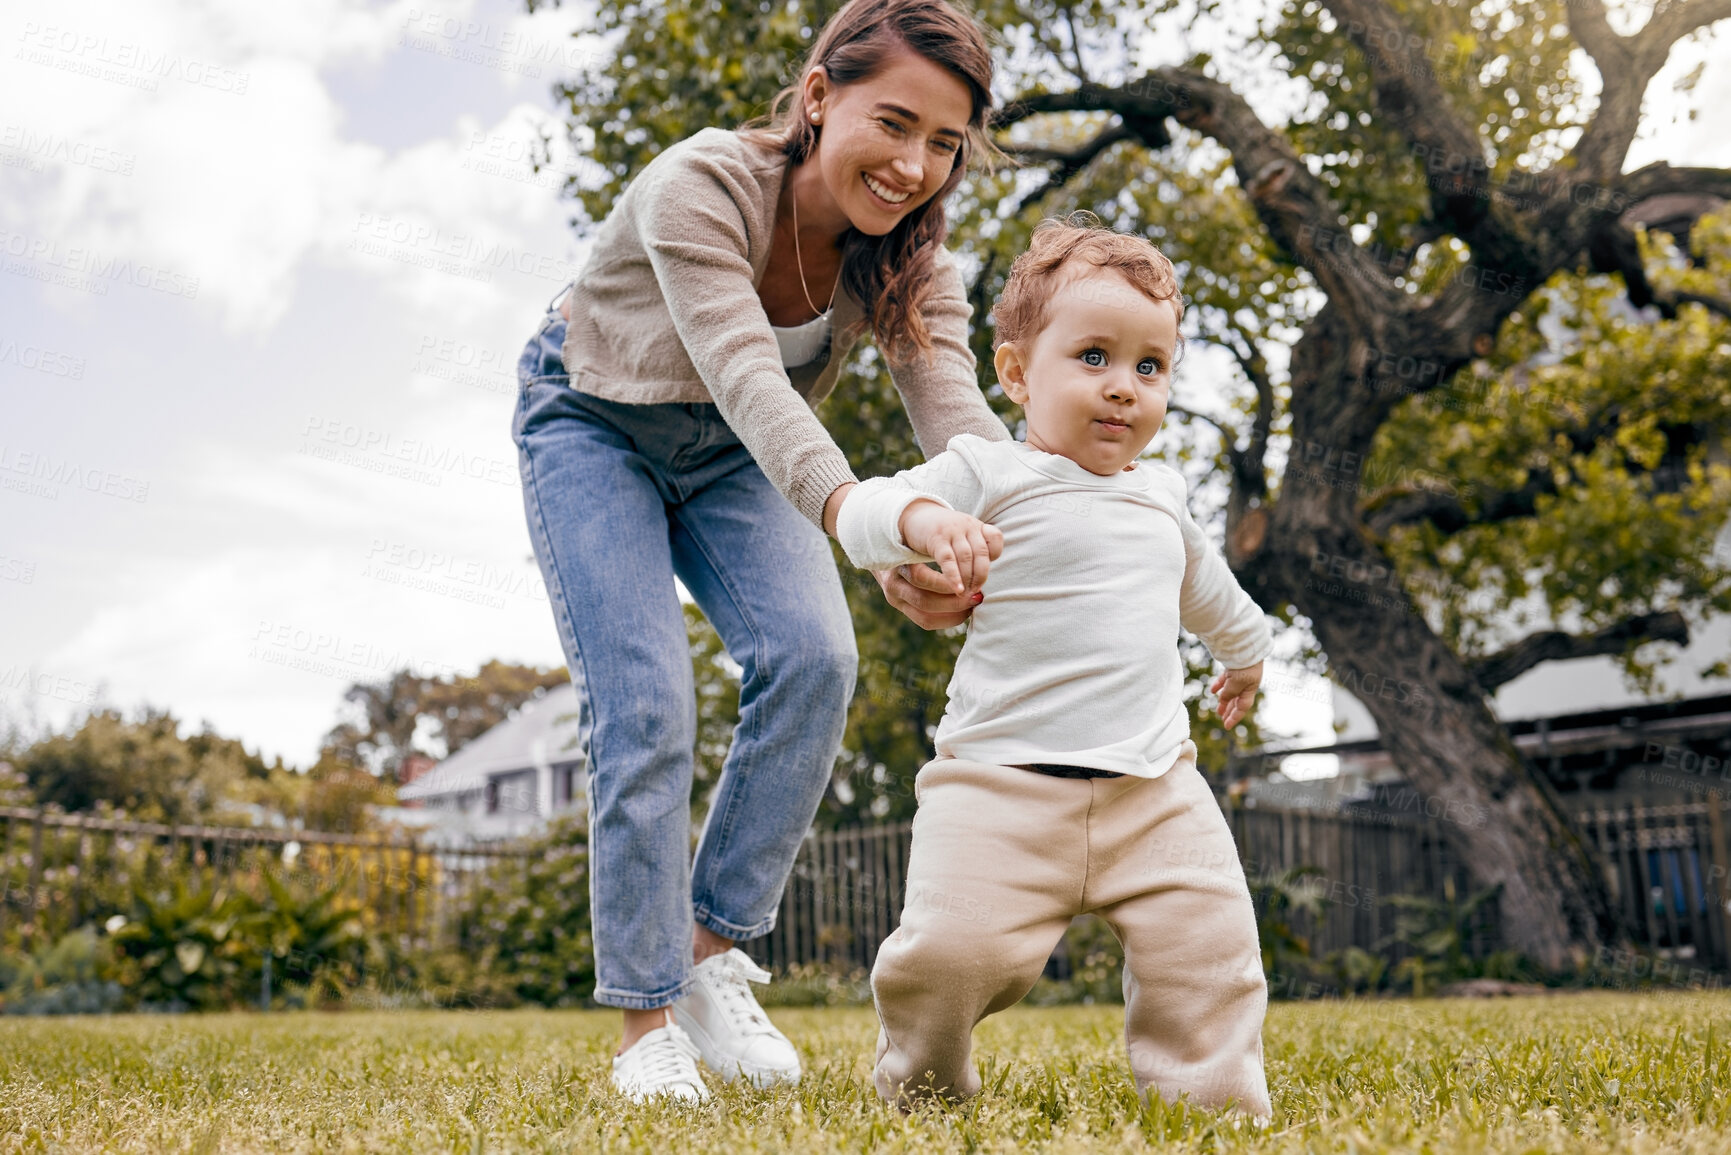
[1012, 375]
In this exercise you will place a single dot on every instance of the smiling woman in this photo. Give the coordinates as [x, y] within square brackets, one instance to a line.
[665, 429]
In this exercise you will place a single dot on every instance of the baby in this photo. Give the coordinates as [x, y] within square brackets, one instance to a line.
[1065, 780]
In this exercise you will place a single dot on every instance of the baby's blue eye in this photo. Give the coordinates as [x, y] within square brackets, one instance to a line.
[1093, 357]
[1148, 366]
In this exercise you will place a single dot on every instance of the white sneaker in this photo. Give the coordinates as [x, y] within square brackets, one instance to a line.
[662, 1062]
[731, 1031]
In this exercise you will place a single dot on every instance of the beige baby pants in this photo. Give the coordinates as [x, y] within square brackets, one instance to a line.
[1004, 857]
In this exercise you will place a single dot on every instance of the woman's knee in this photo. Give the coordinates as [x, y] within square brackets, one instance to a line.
[822, 661]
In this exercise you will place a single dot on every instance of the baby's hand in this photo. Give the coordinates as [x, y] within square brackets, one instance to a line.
[1236, 690]
[960, 543]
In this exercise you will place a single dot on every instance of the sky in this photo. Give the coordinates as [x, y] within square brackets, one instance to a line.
[265, 272]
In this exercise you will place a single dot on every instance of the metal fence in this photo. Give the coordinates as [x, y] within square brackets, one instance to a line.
[843, 898]
[58, 871]
[1666, 867]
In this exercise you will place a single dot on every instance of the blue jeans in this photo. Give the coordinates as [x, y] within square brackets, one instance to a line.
[621, 499]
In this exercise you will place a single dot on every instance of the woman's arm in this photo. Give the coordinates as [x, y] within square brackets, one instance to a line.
[942, 398]
[942, 395]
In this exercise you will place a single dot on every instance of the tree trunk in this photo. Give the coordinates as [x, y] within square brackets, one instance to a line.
[1496, 809]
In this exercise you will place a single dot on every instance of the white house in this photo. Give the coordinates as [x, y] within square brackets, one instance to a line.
[511, 779]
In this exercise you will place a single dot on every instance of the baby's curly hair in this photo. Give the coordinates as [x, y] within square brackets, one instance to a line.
[1021, 309]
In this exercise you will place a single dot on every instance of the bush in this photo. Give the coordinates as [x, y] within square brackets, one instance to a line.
[1096, 967]
[814, 985]
[73, 976]
[531, 920]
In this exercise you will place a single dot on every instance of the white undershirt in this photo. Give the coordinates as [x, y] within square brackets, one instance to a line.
[800, 344]
[1073, 656]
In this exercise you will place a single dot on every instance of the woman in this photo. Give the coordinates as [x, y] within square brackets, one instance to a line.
[665, 427]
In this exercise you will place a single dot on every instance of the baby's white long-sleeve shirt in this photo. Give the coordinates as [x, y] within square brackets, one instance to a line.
[1073, 656]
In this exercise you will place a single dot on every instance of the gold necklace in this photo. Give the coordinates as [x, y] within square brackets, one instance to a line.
[800, 264]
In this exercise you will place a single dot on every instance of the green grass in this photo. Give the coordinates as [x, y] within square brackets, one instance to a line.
[1572, 1073]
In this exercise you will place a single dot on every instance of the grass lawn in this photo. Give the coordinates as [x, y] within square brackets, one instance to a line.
[1569, 1073]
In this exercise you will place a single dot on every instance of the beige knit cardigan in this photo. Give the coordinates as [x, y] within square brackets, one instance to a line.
[667, 310]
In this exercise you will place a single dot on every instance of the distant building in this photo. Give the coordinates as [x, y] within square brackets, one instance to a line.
[1648, 752]
[511, 779]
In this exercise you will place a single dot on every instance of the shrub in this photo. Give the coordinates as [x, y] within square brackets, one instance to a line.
[531, 919]
[72, 976]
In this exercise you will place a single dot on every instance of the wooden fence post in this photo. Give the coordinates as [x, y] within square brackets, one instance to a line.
[31, 895]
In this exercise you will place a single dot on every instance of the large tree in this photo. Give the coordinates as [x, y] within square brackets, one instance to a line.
[406, 712]
[1471, 409]
[143, 767]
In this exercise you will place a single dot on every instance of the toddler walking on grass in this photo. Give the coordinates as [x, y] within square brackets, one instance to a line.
[1065, 781]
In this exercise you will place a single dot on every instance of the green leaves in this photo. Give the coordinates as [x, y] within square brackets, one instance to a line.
[528, 920]
[188, 946]
[1619, 417]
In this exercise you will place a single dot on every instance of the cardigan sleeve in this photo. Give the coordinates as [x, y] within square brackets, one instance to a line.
[942, 396]
[692, 220]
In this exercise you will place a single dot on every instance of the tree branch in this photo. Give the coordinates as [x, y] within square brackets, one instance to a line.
[1406, 506]
[1627, 64]
[1661, 178]
[1075, 44]
[1294, 205]
[1070, 161]
[1409, 94]
[1252, 473]
[1669, 300]
[1494, 670]
[1225, 433]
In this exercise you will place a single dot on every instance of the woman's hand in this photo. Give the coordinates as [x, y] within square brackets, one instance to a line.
[1236, 690]
[925, 596]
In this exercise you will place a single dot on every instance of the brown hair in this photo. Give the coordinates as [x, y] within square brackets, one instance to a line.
[1021, 309]
[891, 275]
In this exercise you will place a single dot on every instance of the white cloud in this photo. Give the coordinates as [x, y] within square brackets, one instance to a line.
[242, 173]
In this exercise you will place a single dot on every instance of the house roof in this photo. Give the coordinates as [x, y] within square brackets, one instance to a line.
[543, 732]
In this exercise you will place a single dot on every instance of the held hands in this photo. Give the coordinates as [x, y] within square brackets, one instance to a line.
[1236, 691]
[961, 544]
